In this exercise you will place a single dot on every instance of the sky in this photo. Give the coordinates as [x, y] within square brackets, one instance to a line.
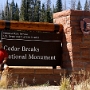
[3, 2]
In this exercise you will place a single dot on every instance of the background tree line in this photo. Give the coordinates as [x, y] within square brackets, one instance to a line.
[35, 11]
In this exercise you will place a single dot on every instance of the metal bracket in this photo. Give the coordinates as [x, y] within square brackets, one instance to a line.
[7, 25]
[56, 28]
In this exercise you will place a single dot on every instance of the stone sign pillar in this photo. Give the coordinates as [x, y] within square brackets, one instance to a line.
[76, 45]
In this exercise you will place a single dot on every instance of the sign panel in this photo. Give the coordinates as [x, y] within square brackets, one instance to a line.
[27, 48]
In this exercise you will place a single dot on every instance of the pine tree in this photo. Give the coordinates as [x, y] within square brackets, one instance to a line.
[6, 11]
[79, 7]
[73, 4]
[0, 14]
[42, 15]
[12, 10]
[54, 9]
[23, 11]
[86, 7]
[3, 16]
[58, 7]
[48, 12]
[37, 11]
[27, 10]
[16, 12]
[89, 4]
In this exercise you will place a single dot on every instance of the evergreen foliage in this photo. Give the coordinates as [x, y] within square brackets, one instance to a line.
[23, 11]
[11, 11]
[30, 10]
[79, 7]
[48, 12]
[86, 7]
[42, 13]
[73, 4]
[58, 7]
[35, 11]
[6, 12]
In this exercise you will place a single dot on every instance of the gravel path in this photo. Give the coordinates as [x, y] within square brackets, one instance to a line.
[36, 88]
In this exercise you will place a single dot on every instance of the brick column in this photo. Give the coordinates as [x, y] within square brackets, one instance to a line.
[76, 46]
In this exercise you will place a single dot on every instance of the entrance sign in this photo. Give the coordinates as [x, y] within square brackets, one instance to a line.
[85, 26]
[32, 48]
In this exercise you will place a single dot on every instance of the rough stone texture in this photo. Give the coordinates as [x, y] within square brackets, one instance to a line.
[34, 76]
[76, 46]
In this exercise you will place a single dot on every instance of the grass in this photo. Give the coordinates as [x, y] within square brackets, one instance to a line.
[7, 78]
[65, 84]
[74, 81]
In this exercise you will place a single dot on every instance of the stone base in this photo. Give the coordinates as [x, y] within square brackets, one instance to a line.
[33, 76]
